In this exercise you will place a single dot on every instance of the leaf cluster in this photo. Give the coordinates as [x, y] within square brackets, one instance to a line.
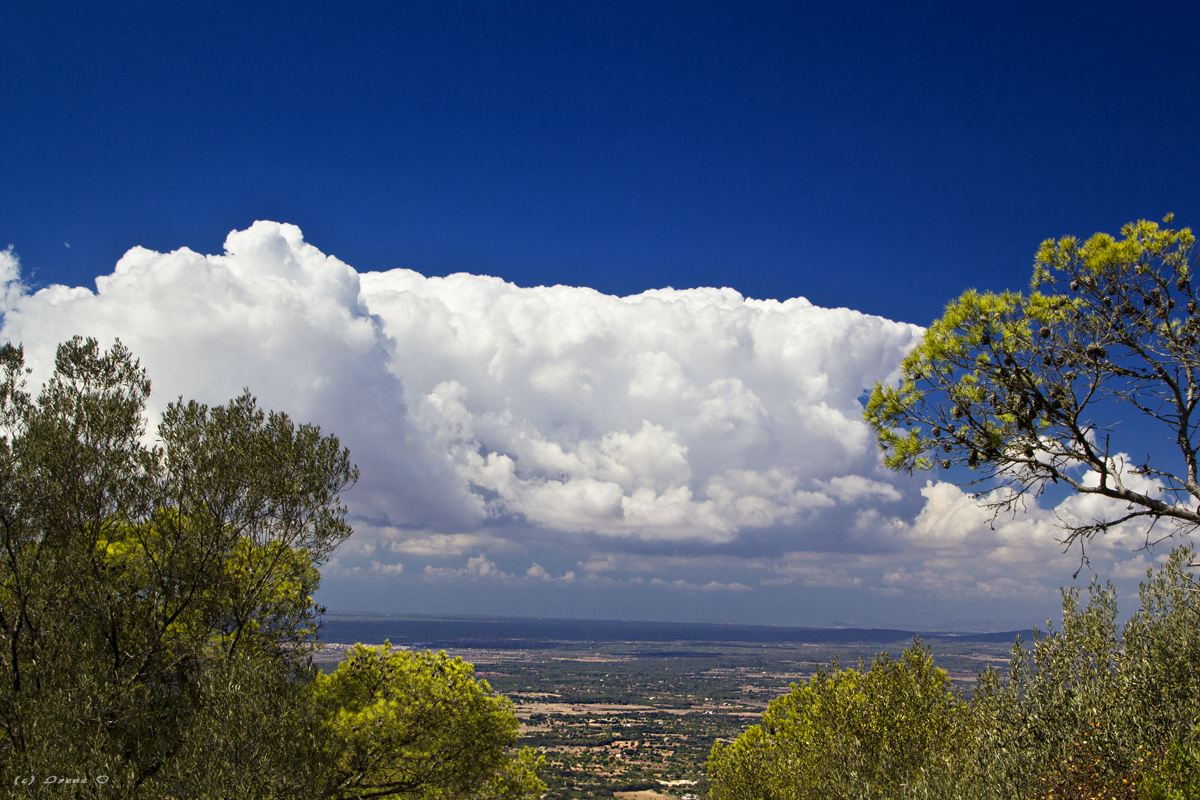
[403, 723]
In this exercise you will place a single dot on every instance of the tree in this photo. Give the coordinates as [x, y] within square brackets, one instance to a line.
[883, 732]
[402, 723]
[1031, 389]
[156, 603]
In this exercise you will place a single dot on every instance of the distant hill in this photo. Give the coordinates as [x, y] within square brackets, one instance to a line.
[528, 632]
[1001, 636]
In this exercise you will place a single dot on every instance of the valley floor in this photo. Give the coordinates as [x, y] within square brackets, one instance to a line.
[638, 719]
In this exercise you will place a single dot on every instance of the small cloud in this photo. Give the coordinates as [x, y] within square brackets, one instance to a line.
[442, 544]
[480, 565]
[1133, 568]
[538, 573]
[714, 586]
[675, 584]
[357, 547]
[807, 569]
[477, 567]
[335, 567]
[711, 586]
[67, 245]
[387, 569]
[625, 562]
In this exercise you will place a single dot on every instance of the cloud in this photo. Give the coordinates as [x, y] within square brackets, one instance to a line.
[11, 288]
[814, 569]
[957, 545]
[441, 544]
[537, 572]
[852, 488]
[665, 416]
[711, 586]
[477, 567]
[274, 314]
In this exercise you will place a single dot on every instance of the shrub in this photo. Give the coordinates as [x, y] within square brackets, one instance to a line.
[879, 732]
[1084, 712]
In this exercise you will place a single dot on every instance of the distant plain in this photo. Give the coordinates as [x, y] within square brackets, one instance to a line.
[619, 708]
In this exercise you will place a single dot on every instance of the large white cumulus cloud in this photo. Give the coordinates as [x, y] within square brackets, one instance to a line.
[667, 414]
[468, 401]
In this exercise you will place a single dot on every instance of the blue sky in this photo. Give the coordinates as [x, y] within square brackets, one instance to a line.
[879, 157]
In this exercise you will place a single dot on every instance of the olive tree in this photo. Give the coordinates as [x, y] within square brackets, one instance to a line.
[1028, 389]
[1093, 708]
[1089, 708]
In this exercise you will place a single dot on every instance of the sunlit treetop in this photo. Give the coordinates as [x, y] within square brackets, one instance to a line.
[1026, 389]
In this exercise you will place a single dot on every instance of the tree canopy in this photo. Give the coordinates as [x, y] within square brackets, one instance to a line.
[401, 722]
[846, 733]
[1027, 389]
[157, 618]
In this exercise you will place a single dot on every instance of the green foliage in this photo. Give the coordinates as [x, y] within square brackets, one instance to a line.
[1087, 711]
[157, 617]
[1065, 715]
[517, 779]
[1177, 776]
[1022, 388]
[882, 732]
[139, 585]
[418, 724]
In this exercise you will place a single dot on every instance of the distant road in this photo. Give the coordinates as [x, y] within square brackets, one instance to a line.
[526, 632]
